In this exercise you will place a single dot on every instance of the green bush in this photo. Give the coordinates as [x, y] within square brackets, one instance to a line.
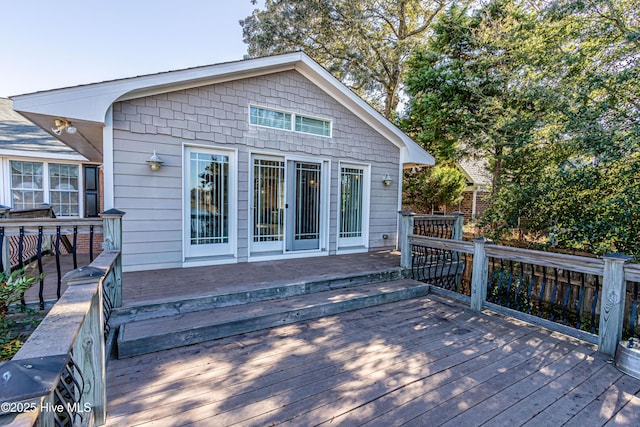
[12, 334]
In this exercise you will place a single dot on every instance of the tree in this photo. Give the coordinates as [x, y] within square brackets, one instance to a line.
[433, 187]
[549, 90]
[364, 43]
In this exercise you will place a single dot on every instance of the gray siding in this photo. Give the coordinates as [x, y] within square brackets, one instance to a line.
[217, 116]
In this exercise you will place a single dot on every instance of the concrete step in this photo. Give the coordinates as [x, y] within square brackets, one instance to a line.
[147, 336]
[250, 293]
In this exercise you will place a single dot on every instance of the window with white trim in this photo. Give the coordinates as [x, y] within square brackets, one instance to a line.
[35, 183]
[289, 121]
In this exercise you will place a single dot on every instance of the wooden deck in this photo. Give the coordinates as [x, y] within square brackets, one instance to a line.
[428, 361]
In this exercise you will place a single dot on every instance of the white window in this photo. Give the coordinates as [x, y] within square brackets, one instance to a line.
[353, 209]
[63, 189]
[269, 118]
[289, 121]
[35, 183]
[313, 126]
[27, 189]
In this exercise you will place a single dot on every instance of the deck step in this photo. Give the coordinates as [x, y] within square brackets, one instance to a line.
[147, 336]
[251, 293]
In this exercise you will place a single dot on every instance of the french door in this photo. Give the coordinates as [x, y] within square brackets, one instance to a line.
[287, 207]
[305, 206]
[209, 202]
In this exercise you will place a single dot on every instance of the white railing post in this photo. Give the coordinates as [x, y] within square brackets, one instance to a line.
[406, 228]
[612, 303]
[479, 274]
[112, 225]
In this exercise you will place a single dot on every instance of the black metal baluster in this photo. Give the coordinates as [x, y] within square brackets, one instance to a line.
[580, 299]
[509, 284]
[552, 311]
[59, 270]
[40, 269]
[2, 266]
[594, 305]
[21, 248]
[542, 289]
[91, 243]
[566, 299]
[74, 247]
[532, 282]
[520, 281]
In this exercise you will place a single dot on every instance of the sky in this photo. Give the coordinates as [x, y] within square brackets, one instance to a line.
[48, 44]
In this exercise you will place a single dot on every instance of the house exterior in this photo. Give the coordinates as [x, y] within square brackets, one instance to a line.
[37, 169]
[476, 197]
[262, 159]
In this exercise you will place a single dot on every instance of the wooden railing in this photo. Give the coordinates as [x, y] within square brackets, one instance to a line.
[58, 376]
[440, 226]
[553, 287]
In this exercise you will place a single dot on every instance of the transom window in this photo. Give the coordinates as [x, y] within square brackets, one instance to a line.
[289, 121]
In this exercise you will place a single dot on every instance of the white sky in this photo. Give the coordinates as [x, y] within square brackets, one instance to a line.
[47, 44]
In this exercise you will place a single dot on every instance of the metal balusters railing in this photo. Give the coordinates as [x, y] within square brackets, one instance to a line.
[31, 240]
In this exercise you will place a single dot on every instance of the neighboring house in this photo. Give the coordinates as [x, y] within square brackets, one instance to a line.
[263, 159]
[476, 197]
[37, 169]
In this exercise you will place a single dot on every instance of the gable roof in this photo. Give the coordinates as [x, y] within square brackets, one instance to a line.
[20, 137]
[476, 170]
[87, 106]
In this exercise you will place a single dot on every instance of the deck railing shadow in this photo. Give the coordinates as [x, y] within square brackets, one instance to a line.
[58, 376]
[593, 299]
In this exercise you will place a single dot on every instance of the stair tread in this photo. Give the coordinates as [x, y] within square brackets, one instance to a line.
[221, 315]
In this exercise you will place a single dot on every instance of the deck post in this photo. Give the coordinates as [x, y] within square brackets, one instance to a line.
[406, 228]
[479, 274]
[89, 347]
[457, 226]
[112, 220]
[612, 305]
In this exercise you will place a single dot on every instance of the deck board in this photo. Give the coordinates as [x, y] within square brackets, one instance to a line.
[428, 360]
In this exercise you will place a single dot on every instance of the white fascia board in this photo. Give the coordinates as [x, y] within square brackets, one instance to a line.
[43, 155]
[91, 102]
[410, 152]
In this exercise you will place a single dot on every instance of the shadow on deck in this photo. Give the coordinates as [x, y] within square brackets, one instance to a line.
[427, 361]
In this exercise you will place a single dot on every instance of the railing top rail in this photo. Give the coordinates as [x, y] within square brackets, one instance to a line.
[12, 226]
[632, 272]
[438, 243]
[435, 217]
[575, 263]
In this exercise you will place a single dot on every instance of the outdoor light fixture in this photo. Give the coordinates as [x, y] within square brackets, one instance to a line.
[386, 180]
[155, 162]
[65, 125]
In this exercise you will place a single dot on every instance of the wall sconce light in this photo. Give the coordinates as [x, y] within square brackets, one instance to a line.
[65, 125]
[155, 162]
[386, 180]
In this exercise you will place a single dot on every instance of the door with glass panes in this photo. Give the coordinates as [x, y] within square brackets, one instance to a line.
[209, 202]
[287, 205]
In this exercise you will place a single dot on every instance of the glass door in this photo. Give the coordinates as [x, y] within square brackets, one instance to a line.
[208, 209]
[352, 216]
[268, 204]
[304, 214]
